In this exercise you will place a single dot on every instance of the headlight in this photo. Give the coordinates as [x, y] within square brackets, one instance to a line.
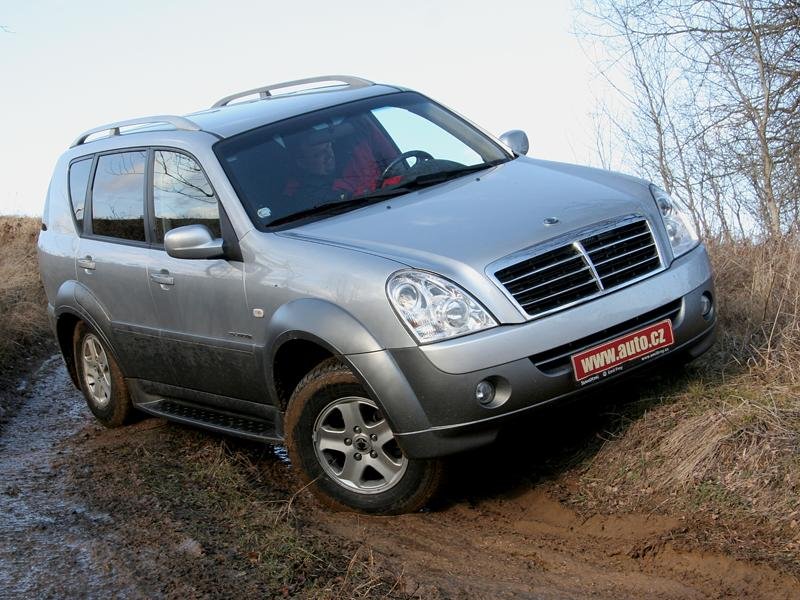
[682, 234]
[433, 308]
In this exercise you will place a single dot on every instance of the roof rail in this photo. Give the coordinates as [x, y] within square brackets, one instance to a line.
[181, 123]
[266, 91]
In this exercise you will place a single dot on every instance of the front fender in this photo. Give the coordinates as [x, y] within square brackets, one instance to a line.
[315, 319]
[344, 336]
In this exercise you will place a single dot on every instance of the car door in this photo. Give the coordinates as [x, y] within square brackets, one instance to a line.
[113, 259]
[206, 326]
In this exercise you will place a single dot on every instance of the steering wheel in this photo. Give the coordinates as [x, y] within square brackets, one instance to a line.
[418, 154]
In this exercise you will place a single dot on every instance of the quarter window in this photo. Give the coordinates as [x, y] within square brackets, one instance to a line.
[182, 195]
[78, 182]
[118, 196]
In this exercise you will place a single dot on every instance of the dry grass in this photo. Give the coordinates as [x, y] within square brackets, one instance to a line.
[23, 321]
[231, 510]
[724, 442]
[760, 290]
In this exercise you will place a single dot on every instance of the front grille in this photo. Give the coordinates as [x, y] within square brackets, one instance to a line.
[583, 268]
[623, 253]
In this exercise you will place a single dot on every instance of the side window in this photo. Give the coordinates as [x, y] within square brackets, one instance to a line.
[182, 195]
[118, 196]
[78, 182]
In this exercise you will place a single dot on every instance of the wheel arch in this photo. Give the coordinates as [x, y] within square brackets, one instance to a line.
[314, 330]
[305, 332]
[75, 303]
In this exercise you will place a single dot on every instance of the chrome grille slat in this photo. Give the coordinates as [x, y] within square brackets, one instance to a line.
[592, 263]
[539, 270]
[622, 241]
[561, 293]
[622, 270]
[560, 277]
[613, 258]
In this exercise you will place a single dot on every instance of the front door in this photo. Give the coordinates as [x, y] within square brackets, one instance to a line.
[206, 327]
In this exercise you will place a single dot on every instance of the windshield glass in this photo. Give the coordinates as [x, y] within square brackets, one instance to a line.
[305, 165]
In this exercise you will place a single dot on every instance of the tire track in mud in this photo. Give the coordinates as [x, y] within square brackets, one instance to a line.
[525, 544]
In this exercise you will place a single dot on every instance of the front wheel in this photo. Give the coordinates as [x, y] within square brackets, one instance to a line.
[339, 439]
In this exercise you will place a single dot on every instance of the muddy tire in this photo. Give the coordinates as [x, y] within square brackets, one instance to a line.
[100, 378]
[339, 442]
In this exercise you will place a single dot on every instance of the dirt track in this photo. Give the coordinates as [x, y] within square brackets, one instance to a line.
[498, 534]
[530, 546]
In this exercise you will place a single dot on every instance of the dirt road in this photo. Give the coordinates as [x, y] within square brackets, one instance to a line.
[49, 547]
[87, 512]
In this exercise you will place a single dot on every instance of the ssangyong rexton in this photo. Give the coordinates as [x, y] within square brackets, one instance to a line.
[356, 272]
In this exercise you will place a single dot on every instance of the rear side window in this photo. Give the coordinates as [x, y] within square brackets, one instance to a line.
[78, 182]
[118, 196]
[182, 195]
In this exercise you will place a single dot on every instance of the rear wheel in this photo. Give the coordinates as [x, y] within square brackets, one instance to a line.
[339, 439]
[100, 378]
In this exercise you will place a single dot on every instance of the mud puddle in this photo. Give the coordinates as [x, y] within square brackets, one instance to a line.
[48, 546]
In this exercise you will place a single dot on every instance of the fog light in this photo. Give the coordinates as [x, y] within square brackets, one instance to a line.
[706, 304]
[484, 393]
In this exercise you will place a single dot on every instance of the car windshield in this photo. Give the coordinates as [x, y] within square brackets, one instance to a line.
[339, 158]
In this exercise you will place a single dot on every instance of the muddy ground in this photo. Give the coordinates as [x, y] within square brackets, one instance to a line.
[159, 510]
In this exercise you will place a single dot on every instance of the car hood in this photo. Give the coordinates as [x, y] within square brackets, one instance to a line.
[479, 218]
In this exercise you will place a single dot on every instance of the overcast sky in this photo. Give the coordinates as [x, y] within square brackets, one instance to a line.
[70, 66]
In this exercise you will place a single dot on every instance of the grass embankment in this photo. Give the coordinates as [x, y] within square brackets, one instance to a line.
[720, 445]
[24, 330]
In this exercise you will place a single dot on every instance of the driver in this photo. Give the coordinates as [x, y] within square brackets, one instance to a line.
[318, 176]
[315, 163]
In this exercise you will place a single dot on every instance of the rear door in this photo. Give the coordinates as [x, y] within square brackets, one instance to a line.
[206, 326]
[113, 259]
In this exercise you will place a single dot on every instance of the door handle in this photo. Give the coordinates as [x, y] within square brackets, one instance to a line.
[162, 278]
[86, 263]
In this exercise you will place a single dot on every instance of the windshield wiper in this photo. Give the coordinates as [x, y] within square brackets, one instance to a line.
[428, 179]
[418, 182]
[328, 208]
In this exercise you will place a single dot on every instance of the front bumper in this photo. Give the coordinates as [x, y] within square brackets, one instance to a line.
[428, 393]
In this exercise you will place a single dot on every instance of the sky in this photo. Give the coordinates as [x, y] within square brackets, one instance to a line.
[69, 66]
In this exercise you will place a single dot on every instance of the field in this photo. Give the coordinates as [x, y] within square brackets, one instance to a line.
[697, 472]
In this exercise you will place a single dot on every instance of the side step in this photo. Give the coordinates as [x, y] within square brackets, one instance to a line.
[244, 426]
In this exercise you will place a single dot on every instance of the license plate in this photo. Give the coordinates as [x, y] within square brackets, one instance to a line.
[611, 357]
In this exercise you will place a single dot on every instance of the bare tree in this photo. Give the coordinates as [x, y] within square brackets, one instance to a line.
[714, 96]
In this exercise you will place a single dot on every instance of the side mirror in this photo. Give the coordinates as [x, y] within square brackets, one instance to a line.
[193, 241]
[517, 140]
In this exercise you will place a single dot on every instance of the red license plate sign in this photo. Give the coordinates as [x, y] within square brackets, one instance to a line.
[609, 358]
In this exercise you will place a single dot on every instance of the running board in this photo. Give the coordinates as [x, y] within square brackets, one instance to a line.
[244, 426]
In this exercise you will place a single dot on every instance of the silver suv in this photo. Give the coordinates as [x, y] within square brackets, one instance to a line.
[357, 272]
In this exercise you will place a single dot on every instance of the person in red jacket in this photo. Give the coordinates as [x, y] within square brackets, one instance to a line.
[322, 177]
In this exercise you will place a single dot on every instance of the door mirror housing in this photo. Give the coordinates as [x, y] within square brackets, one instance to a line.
[517, 140]
[193, 241]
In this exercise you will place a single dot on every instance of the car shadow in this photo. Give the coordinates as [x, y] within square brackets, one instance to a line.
[554, 440]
